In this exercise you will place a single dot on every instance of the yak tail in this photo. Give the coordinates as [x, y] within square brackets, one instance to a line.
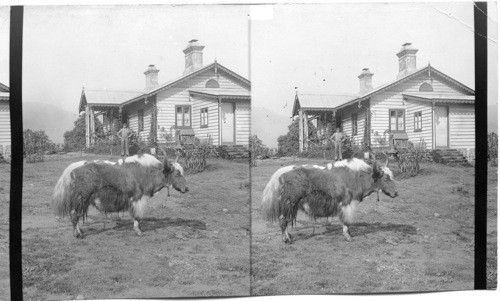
[270, 206]
[61, 197]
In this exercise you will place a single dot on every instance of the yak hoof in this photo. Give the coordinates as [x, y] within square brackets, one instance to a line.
[347, 237]
[287, 239]
[79, 235]
[138, 231]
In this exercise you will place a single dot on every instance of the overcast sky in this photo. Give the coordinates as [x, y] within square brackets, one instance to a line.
[317, 48]
[322, 49]
[66, 48]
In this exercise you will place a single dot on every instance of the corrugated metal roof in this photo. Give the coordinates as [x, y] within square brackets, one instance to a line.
[109, 97]
[222, 92]
[440, 96]
[322, 100]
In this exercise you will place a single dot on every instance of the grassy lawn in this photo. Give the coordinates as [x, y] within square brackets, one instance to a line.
[194, 244]
[421, 241]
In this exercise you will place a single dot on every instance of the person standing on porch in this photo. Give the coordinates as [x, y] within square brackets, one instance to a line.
[124, 134]
[338, 138]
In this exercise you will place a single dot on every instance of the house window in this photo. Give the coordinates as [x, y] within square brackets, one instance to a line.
[212, 83]
[354, 118]
[140, 116]
[397, 120]
[183, 116]
[426, 87]
[204, 118]
[418, 121]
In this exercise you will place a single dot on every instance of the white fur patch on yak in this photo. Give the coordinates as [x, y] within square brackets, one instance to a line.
[353, 164]
[140, 206]
[349, 210]
[179, 168]
[387, 171]
[146, 160]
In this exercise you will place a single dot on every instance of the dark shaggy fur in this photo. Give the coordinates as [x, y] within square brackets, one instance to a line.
[324, 193]
[115, 186]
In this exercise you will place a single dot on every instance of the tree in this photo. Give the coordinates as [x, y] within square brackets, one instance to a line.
[75, 139]
[35, 144]
[289, 144]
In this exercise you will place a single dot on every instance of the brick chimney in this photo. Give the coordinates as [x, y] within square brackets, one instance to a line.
[365, 81]
[151, 77]
[194, 56]
[407, 60]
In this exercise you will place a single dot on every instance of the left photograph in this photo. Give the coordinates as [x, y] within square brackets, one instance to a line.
[136, 127]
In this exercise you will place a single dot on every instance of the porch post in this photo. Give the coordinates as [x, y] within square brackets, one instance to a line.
[92, 126]
[219, 121]
[306, 131]
[301, 131]
[87, 130]
[433, 129]
[154, 121]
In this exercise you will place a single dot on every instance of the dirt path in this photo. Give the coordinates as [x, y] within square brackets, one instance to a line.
[421, 241]
[195, 244]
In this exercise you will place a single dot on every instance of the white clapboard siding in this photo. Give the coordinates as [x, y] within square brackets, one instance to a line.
[462, 126]
[243, 123]
[133, 119]
[4, 124]
[179, 95]
[213, 118]
[426, 133]
[382, 102]
[346, 119]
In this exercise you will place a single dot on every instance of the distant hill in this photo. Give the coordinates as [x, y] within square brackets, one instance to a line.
[269, 125]
[49, 118]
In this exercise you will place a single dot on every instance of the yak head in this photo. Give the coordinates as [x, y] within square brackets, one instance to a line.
[384, 179]
[174, 175]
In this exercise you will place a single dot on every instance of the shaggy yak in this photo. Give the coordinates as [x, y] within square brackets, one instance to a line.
[113, 187]
[323, 191]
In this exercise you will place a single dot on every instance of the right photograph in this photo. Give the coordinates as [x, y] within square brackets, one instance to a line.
[363, 149]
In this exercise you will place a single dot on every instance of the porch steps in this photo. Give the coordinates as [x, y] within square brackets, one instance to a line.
[450, 156]
[235, 151]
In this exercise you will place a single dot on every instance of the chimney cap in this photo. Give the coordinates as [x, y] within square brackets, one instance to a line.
[151, 68]
[365, 73]
[193, 41]
[407, 48]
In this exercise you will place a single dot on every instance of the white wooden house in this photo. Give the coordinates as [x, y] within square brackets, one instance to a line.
[420, 105]
[210, 102]
[5, 142]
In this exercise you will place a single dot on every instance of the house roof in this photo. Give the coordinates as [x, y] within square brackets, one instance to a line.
[105, 98]
[318, 102]
[440, 97]
[4, 92]
[222, 93]
[3, 88]
[418, 72]
[215, 65]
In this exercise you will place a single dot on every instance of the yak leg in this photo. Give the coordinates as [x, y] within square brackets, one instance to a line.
[77, 232]
[137, 212]
[287, 238]
[346, 217]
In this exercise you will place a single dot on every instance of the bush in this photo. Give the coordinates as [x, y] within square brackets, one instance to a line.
[288, 144]
[36, 143]
[195, 156]
[409, 159]
[257, 149]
